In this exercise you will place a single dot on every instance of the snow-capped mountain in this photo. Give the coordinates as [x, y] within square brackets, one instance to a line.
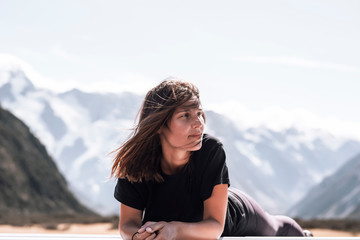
[337, 196]
[80, 130]
[278, 168]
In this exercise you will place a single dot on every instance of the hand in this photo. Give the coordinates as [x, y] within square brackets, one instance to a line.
[142, 234]
[146, 225]
[162, 230]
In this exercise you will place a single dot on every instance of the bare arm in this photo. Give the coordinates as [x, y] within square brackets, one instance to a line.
[130, 222]
[211, 227]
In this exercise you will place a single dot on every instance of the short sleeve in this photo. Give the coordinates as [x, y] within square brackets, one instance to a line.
[131, 194]
[214, 170]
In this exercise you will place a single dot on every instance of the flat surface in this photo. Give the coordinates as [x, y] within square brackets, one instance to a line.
[15, 236]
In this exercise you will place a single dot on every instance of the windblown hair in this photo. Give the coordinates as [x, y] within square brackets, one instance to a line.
[138, 159]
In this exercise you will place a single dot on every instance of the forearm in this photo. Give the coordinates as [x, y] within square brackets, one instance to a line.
[127, 230]
[204, 230]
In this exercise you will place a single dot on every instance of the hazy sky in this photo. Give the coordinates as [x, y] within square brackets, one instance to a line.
[282, 55]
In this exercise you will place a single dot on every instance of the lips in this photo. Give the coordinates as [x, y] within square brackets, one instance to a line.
[199, 135]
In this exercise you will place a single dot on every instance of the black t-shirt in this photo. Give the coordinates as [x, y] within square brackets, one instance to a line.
[181, 196]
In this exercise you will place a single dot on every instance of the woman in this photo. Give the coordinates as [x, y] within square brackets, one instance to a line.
[173, 180]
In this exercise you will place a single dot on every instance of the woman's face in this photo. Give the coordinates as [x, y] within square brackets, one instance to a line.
[184, 131]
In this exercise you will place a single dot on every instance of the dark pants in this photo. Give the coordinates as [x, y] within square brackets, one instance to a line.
[260, 223]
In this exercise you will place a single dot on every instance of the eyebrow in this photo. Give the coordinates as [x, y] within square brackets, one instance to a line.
[184, 109]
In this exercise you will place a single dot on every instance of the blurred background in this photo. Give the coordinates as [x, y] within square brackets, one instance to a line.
[279, 81]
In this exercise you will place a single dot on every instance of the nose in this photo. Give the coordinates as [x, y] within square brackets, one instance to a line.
[198, 122]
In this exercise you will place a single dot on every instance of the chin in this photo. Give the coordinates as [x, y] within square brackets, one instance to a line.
[197, 147]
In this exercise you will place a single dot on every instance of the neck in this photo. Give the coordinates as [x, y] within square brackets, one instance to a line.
[173, 162]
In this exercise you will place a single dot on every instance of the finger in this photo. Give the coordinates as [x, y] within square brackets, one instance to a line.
[159, 237]
[155, 227]
[135, 236]
[143, 235]
[151, 237]
[143, 227]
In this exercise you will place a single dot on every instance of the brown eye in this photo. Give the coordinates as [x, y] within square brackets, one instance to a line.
[185, 115]
[200, 114]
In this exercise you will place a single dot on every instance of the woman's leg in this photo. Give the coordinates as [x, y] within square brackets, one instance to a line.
[260, 223]
[287, 226]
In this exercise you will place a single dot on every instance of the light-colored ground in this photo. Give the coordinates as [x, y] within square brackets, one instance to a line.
[333, 233]
[106, 228]
[98, 228]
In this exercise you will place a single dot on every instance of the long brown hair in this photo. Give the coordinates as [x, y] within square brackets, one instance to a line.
[139, 157]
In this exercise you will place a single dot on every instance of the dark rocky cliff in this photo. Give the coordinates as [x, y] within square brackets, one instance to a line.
[30, 183]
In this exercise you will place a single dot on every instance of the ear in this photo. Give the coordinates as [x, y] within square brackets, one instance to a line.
[160, 130]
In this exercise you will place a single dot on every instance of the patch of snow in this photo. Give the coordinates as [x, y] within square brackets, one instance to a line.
[249, 151]
[19, 83]
[351, 195]
[252, 137]
[280, 146]
[4, 77]
[298, 157]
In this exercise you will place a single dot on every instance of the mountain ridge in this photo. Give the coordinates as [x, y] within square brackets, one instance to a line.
[80, 130]
[337, 196]
[29, 179]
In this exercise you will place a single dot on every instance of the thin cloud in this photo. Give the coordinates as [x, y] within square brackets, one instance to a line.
[60, 52]
[9, 62]
[295, 61]
[279, 119]
[85, 37]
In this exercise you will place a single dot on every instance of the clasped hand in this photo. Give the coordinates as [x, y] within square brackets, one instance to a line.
[157, 231]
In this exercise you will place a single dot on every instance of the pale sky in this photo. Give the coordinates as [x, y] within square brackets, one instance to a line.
[291, 56]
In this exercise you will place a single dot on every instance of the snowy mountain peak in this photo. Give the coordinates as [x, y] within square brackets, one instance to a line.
[80, 129]
[15, 83]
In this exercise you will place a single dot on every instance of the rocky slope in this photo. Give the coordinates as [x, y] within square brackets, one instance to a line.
[337, 196]
[30, 182]
[80, 129]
